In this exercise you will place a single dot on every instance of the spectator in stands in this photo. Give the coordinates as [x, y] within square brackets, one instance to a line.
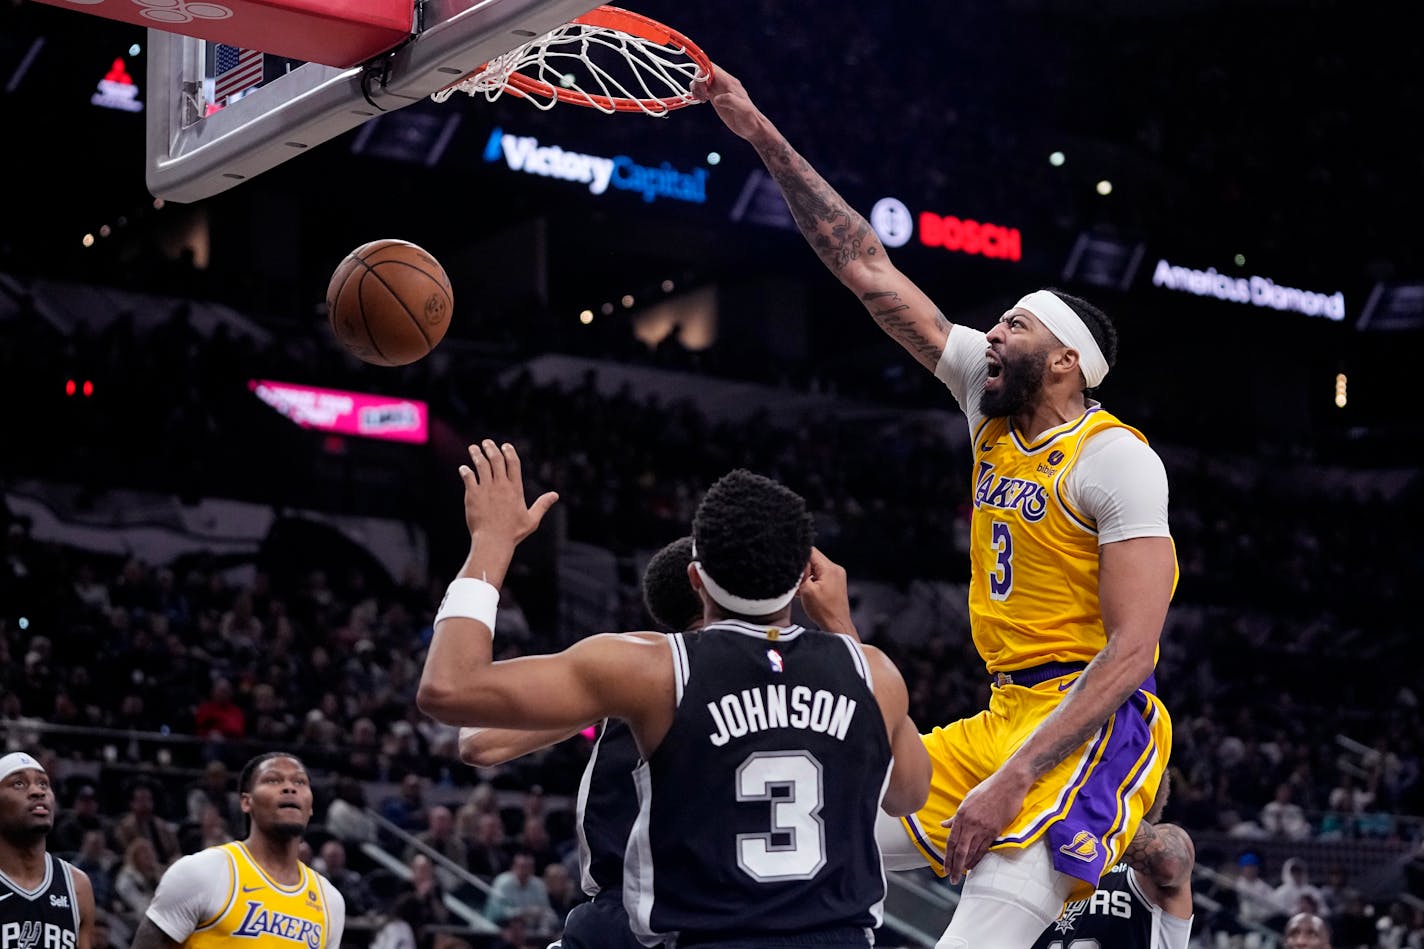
[440, 836]
[96, 859]
[487, 853]
[209, 831]
[534, 839]
[213, 790]
[563, 895]
[397, 931]
[81, 819]
[137, 880]
[513, 934]
[365, 750]
[332, 863]
[141, 821]
[1256, 900]
[346, 815]
[518, 892]
[1282, 817]
[423, 904]
[407, 809]
[219, 716]
[1295, 887]
[481, 801]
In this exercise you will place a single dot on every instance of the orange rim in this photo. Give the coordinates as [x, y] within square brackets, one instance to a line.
[634, 24]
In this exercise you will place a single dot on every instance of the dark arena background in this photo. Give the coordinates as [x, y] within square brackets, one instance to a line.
[189, 577]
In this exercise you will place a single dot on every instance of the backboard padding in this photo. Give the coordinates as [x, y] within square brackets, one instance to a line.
[191, 156]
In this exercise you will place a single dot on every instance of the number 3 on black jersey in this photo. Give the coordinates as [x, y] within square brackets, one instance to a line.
[794, 847]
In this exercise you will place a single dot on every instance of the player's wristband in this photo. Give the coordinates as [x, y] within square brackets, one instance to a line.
[471, 599]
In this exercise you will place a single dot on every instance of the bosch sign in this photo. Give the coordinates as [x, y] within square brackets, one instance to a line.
[891, 218]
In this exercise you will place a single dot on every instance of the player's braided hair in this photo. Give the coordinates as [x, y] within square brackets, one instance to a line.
[667, 593]
[753, 535]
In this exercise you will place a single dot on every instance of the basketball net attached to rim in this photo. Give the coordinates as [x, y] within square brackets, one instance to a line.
[609, 59]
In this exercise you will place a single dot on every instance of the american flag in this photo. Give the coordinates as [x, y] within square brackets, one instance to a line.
[236, 70]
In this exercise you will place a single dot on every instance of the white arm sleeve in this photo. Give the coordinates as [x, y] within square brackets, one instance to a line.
[963, 369]
[335, 913]
[194, 889]
[1119, 482]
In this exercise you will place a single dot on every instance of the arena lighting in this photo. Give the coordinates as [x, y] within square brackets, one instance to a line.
[1341, 390]
[627, 301]
[1104, 187]
[668, 286]
[1056, 159]
[606, 309]
[388, 418]
[88, 240]
[586, 317]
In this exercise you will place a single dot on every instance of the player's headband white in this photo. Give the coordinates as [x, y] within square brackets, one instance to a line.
[17, 761]
[739, 605]
[1070, 330]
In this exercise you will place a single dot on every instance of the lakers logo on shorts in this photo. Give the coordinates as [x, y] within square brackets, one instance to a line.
[1084, 846]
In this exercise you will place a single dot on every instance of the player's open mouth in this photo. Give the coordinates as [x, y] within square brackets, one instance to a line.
[40, 809]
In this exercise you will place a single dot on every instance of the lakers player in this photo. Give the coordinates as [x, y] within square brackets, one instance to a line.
[255, 891]
[1072, 571]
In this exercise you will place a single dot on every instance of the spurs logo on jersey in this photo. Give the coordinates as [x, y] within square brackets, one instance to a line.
[1119, 915]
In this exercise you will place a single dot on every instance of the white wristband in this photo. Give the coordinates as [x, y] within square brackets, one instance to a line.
[471, 599]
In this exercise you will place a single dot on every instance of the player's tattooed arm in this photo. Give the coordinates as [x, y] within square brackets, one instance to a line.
[836, 232]
[1163, 853]
[897, 318]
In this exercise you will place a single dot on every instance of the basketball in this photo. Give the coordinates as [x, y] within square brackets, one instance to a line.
[389, 302]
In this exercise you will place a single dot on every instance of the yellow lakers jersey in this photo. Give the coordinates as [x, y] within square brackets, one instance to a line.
[260, 912]
[1033, 594]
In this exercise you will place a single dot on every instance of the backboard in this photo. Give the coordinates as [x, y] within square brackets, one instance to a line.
[201, 143]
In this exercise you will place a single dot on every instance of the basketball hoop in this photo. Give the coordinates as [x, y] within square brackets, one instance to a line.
[581, 63]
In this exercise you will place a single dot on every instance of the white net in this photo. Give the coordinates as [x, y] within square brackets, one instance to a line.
[596, 66]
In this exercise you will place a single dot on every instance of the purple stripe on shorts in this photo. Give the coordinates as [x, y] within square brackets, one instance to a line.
[1077, 839]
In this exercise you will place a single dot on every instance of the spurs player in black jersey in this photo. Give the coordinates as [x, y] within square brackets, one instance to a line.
[607, 799]
[44, 902]
[766, 748]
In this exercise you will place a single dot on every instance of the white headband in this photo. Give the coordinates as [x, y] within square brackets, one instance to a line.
[17, 761]
[1070, 330]
[737, 604]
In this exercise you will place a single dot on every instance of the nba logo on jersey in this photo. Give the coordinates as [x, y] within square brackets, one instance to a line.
[774, 657]
[1084, 846]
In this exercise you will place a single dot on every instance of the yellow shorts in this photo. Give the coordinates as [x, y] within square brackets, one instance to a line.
[1088, 807]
